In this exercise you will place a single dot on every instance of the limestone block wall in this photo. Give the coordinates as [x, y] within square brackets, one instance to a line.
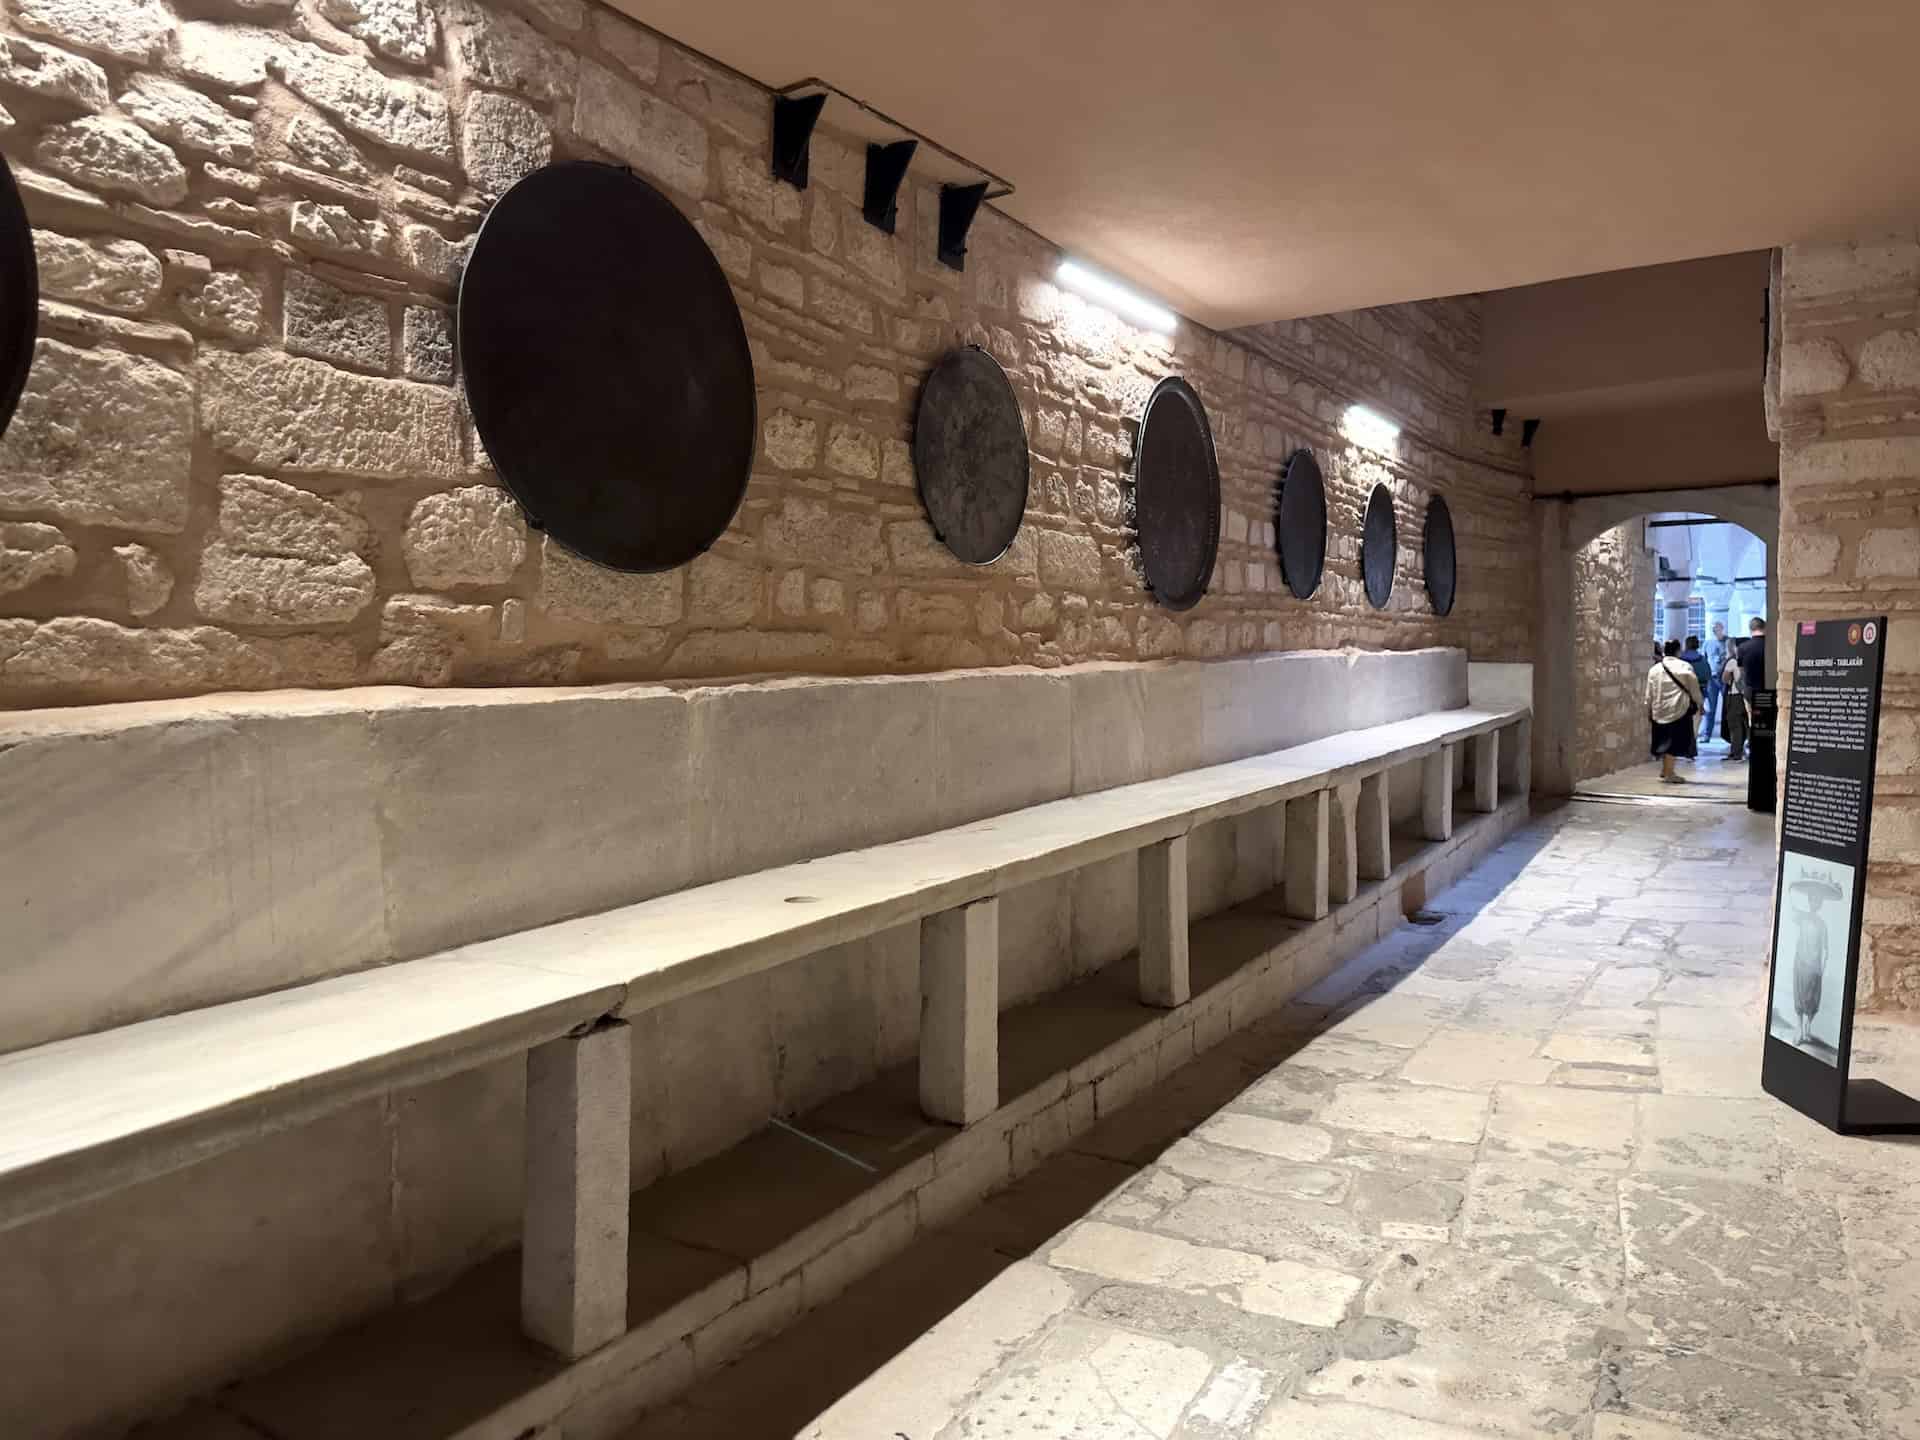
[1612, 647]
[242, 461]
[1848, 412]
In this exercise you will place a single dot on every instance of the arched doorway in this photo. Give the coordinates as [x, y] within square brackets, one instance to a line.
[1599, 581]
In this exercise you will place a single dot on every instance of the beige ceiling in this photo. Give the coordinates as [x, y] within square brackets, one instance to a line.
[1643, 379]
[1249, 160]
[1626, 340]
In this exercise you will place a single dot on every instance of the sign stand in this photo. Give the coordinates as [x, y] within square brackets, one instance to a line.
[1874, 1108]
[1833, 736]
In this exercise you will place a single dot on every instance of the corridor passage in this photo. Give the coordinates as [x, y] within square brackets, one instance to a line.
[1511, 1174]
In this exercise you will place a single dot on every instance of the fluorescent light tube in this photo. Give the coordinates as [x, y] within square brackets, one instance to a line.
[1369, 429]
[1116, 297]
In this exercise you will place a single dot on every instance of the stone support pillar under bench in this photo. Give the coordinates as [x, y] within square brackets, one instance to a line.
[1305, 865]
[1486, 772]
[1436, 794]
[1373, 839]
[960, 1013]
[573, 1255]
[1164, 977]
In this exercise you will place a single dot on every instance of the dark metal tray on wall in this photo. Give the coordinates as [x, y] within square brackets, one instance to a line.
[1300, 524]
[1176, 479]
[1442, 576]
[1379, 547]
[970, 455]
[19, 296]
[607, 367]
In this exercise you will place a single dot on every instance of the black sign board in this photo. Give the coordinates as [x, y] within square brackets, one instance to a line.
[1763, 711]
[1833, 732]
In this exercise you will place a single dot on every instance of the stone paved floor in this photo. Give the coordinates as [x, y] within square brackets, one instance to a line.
[1509, 1175]
[1711, 776]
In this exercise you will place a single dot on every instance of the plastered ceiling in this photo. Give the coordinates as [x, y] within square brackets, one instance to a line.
[1251, 161]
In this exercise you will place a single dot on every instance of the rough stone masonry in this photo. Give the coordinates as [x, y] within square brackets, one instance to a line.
[1844, 388]
[242, 460]
[1613, 629]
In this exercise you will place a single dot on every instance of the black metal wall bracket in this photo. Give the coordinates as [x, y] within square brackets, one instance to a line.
[958, 206]
[886, 168]
[794, 117]
[1499, 421]
[1528, 429]
[891, 149]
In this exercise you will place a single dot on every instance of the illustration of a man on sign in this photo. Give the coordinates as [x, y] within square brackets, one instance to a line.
[1810, 949]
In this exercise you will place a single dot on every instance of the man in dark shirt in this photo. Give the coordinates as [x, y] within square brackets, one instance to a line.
[1753, 656]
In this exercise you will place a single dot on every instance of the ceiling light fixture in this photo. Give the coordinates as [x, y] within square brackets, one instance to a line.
[1116, 297]
[1369, 429]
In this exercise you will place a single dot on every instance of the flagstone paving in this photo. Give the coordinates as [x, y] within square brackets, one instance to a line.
[1511, 1175]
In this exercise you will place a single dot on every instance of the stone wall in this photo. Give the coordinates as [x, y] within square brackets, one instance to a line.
[1417, 361]
[243, 462]
[1612, 646]
[1848, 394]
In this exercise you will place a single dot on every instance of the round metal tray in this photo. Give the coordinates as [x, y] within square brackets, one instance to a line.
[1176, 495]
[1300, 524]
[19, 296]
[1379, 547]
[970, 455]
[1442, 576]
[607, 367]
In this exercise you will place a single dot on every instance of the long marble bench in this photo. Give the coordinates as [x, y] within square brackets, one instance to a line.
[85, 1116]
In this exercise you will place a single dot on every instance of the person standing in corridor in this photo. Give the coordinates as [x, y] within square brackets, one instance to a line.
[1733, 727]
[1753, 658]
[1716, 655]
[1673, 699]
[1696, 658]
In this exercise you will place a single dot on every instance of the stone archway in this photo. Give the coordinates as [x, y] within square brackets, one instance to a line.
[1565, 527]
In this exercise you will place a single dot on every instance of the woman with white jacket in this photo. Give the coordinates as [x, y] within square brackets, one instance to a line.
[1673, 699]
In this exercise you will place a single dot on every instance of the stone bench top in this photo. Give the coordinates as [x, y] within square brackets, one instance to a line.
[92, 1114]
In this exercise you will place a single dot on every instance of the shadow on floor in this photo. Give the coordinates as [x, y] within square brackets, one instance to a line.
[1713, 776]
[773, 1392]
[433, 1367]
